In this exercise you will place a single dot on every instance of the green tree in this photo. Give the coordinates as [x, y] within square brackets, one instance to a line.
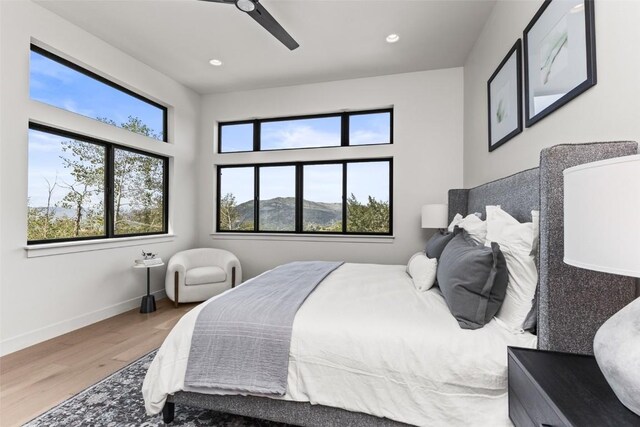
[138, 185]
[229, 215]
[86, 162]
[370, 218]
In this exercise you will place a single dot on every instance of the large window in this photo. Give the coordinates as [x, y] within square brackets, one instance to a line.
[61, 83]
[83, 188]
[326, 130]
[339, 197]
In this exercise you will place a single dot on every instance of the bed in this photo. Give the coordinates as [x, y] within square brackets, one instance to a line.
[367, 350]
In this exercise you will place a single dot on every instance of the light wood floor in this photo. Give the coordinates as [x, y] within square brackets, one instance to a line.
[37, 378]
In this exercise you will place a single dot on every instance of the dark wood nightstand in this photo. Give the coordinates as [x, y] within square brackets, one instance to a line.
[548, 388]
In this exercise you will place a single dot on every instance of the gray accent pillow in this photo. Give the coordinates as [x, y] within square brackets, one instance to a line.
[437, 243]
[473, 280]
[531, 321]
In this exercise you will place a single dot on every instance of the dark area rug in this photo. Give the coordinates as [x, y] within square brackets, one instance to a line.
[117, 401]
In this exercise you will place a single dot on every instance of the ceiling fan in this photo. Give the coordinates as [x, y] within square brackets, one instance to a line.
[255, 10]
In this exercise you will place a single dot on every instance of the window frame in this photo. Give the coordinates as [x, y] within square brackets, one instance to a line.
[344, 129]
[299, 194]
[104, 80]
[109, 225]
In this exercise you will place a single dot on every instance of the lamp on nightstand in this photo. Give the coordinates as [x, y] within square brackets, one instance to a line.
[434, 216]
[602, 233]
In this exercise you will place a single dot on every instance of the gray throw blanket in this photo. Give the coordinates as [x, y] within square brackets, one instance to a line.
[241, 340]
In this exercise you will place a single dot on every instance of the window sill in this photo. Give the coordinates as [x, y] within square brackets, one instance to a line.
[302, 237]
[49, 249]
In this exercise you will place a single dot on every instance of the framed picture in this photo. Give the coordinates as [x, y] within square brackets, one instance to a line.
[559, 56]
[504, 90]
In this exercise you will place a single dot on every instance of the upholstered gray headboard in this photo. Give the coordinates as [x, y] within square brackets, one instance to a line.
[572, 302]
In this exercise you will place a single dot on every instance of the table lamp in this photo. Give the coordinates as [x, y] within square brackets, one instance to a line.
[435, 216]
[602, 233]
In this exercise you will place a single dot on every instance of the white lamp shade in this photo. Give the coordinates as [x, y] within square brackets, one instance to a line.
[434, 216]
[602, 216]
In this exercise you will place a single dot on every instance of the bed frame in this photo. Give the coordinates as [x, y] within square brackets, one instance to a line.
[572, 302]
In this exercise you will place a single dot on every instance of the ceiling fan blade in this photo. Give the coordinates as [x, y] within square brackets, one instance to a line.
[269, 23]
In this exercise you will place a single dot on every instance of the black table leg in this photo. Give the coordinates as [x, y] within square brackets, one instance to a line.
[148, 304]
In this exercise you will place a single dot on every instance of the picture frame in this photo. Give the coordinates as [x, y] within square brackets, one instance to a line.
[504, 95]
[559, 56]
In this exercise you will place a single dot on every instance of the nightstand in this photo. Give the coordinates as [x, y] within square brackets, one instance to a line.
[548, 388]
[148, 303]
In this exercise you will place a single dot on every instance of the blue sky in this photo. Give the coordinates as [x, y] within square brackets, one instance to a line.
[322, 183]
[63, 87]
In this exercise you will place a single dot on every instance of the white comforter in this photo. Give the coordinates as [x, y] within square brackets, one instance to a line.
[365, 340]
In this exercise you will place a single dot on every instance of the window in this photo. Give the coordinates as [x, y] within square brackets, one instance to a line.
[237, 137]
[63, 84]
[370, 128]
[300, 133]
[82, 188]
[368, 197]
[333, 197]
[277, 192]
[66, 187]
[325, 130]
[322, 198]
[138, 193]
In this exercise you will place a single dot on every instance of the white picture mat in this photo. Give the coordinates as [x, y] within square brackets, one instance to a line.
[551, 80]
[504, 89]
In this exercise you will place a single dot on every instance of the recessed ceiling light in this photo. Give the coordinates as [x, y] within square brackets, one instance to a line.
[215, 62]
[392, 38]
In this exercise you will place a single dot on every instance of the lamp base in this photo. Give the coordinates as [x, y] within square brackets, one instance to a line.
[617, 351]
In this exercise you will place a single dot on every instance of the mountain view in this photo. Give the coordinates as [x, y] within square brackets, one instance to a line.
[278, 214]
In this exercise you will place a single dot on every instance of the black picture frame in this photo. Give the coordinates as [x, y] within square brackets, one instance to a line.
[516, 50]
[532, 117]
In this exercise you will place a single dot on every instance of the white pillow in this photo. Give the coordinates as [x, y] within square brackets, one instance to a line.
[422, 270]
[518, 244]
[473, 225]
[456, 220]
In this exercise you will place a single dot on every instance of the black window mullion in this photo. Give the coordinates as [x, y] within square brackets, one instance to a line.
[109, 190]
[256, 199]
[391, 196]
[344, 130]
[344, 197]
[299, 205]
[256, 135]
[165, 195]
[165, 124]
[218, 195]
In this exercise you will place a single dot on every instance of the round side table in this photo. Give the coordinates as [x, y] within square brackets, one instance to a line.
[148, 304]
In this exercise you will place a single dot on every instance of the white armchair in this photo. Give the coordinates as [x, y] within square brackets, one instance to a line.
[199, 274]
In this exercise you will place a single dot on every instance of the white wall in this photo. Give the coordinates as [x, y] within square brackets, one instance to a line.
[427, 152]
[42, 297]
[609, 111]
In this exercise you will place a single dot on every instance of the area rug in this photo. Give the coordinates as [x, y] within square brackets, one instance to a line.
[117, 401]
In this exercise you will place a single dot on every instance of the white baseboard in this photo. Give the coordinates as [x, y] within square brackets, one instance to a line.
[11, 345]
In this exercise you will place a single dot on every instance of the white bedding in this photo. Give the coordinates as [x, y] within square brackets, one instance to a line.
[366, 340]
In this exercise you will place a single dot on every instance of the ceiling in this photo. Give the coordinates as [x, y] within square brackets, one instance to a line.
[339, 39]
